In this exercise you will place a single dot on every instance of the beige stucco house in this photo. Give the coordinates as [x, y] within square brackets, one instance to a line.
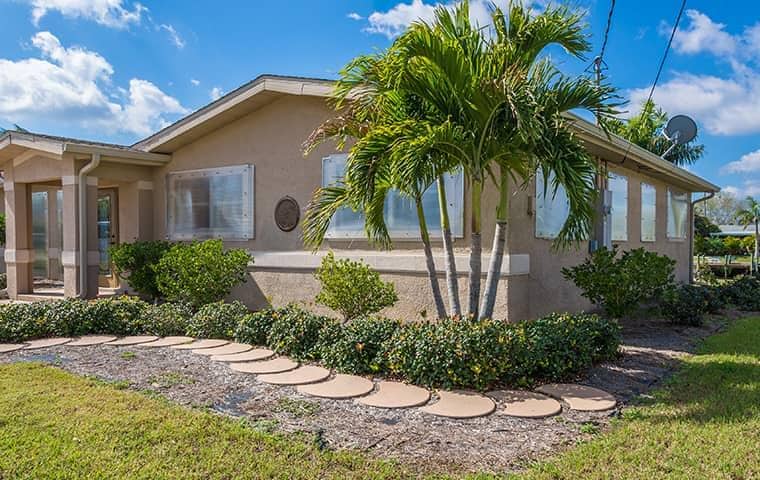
[222, 171]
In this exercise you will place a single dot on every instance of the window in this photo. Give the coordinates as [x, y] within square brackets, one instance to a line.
[648, 212]
[552, 208]
[400, 211]
[618, 185]
[678, 210]
[210, 203]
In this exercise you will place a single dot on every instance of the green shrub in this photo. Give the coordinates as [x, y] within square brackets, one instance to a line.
[685, 304]
[361, 346]
[137, 262]
[3, 281]
[23, 321]
[297, 332]
[452, 353]
[119, 316]
[2, 229]
[216, 320]
[620, 285]
[254, 328]
[165, 319]
[352, 288]
[743, 293]
[201, 272]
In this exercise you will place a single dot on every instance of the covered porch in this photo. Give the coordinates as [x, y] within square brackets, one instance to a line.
[66, 202]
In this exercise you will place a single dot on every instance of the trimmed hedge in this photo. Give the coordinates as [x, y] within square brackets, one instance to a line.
[743, 293]
[360, 346]
[298, 333]
[216, 320]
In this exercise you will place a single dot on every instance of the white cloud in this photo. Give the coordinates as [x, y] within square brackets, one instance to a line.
[396, 19]
[195, 82]
[216, 93]
[176, 39]
[355, 16]
[75, 85]
[750, 188]
[111, 13]
[749, 162]
[702, 35]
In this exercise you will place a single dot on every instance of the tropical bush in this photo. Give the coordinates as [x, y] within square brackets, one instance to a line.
[352, 288]
[743, 293]
[136, 263]
[120, 316]
[200, 273]
[216, 320]
[3, 281]
[620, 285]
[298, 333]
[165, 319]
[685, 304]
[361, 346]
[254, 328]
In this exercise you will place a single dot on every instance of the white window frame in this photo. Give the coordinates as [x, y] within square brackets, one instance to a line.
[672, 235]
[549, 202]
[248, 204]
[456, 213]
[613, 212]
[654, 219]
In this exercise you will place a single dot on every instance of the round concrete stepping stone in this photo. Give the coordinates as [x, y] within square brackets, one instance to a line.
[460, 404]
[228, 349]
[340, 387]
[167, 342]
[46, 342]
[208, 343]
[580, 397]
[11, 347]
[249, 356]
[519, 403]
[90, 340]
[396, 395]
[299, 376]
[132, 340]
[276, 365]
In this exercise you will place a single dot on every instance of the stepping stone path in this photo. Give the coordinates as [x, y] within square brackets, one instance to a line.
[277, 365]
[46, 342]
[249, 356]
[396, 395]
[228, 349]
[460, 404]
[519, 403]
[340, 387]
[200, 344]
[90, 340]
[134, 340]
[299, 376]
[580, 397]
[11, 347]
[167, 342]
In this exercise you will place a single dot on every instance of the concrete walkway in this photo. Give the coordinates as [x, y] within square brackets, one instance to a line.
[316, 381]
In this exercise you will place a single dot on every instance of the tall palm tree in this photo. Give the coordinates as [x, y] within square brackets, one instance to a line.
[750, 215]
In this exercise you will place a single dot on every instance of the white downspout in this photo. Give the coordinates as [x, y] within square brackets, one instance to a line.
[693, 232]
[83, 256]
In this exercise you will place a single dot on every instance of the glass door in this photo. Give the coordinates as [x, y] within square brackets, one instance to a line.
[108, 234]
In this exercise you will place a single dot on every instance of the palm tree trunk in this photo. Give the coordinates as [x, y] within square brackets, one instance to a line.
[430, 263]
[475, 249]
[497, 251]
[452, 283]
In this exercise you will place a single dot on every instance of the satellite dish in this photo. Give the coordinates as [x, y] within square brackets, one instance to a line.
[679, 130]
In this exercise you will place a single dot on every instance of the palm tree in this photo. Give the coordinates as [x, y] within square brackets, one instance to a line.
[750, 215]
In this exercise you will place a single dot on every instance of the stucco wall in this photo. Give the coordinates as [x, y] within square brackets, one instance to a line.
[270, 139]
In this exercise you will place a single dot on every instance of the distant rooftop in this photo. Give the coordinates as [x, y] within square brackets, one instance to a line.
[734, 231]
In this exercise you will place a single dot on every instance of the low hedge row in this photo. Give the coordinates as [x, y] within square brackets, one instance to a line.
[447, 353]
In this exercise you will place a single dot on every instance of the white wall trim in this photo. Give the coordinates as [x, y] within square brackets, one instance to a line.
[8, 186]
[384, 262]
[18, 256]
[71, 258]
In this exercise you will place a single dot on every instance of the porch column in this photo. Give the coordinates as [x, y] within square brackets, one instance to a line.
[135, 211]
[70, 256]
[18, 227]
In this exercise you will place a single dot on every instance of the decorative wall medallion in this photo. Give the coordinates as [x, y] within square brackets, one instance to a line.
[287, 213]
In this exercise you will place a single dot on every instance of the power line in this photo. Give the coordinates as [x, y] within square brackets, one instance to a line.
[598, 63]
[607, 30]
[660, 68]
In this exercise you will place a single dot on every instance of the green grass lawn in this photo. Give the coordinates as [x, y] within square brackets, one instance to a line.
[704, 425]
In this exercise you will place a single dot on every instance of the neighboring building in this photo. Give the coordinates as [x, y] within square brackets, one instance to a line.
[221, 172]
[734, 231]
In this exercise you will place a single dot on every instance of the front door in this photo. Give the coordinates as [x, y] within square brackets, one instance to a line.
[108, 234]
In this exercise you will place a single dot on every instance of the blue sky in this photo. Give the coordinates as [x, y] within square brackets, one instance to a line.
[116, 70]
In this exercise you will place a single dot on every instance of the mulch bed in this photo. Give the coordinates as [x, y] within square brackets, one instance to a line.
[496, 443]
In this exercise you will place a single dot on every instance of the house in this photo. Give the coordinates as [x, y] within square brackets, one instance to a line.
[234, 170]
[734, 231]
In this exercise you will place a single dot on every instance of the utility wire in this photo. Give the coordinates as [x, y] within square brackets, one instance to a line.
[607, 30]
[659, 69]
